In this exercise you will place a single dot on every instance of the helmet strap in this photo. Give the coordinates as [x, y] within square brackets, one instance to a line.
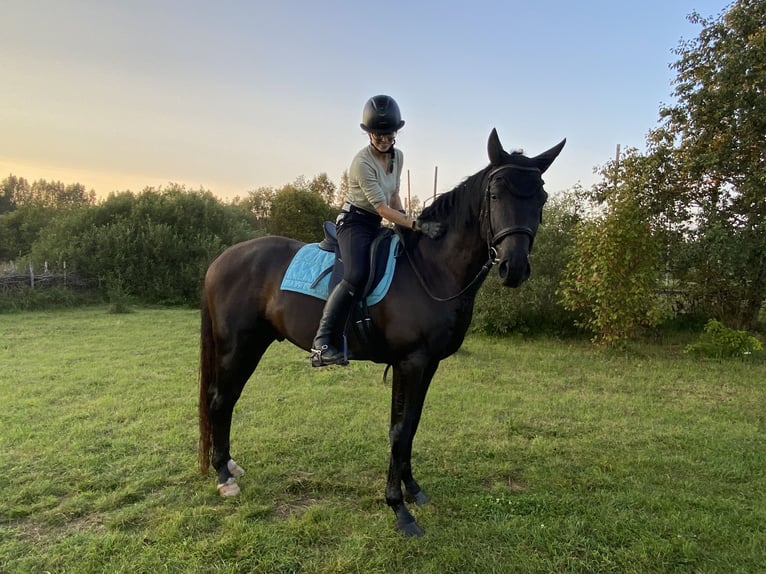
[391, 155]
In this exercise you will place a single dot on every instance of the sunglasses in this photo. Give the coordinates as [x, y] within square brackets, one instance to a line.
[384, 137]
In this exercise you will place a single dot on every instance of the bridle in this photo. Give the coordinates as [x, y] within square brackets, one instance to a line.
[492, 238]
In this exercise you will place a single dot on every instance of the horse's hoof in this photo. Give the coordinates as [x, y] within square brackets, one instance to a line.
[410, 529]
[420, 498]
[229, 488]
[235, 470]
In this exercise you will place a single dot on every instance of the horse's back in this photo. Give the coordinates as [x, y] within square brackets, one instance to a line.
[261, 255]
[242, 291]
[247, 273]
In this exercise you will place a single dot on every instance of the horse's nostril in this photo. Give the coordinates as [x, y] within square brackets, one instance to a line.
[503, 269]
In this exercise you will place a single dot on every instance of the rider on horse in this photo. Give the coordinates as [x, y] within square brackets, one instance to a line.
[373, 195]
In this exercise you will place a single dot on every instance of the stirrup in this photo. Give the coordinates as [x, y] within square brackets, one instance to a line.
[319, 360]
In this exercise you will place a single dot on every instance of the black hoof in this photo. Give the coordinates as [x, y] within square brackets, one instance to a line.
[420, 498]
[410, 529]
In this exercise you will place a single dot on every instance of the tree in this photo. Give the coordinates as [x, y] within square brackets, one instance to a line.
[26, 209]
[11, 189]
[612, 276]
[258, 205]
[53, 194]
[299, 214]
[343, 189]
[713, 140]
[324, 188]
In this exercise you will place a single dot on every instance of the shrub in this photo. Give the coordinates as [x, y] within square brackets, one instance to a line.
[719, 341]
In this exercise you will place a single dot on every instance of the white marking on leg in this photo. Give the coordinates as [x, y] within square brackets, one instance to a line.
[229, 488]
[235, 470]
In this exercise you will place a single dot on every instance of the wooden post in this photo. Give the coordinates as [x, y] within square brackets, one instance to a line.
[31, 276]
[436, 173]
[409, 196]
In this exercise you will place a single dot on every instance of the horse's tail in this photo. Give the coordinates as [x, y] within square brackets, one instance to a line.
[207, 375]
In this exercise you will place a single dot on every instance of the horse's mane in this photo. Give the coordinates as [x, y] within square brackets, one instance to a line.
[458, 207]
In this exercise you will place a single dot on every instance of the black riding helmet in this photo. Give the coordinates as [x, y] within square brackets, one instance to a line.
[381, 115]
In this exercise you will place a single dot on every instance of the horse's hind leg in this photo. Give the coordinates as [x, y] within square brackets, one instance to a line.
[237, 362]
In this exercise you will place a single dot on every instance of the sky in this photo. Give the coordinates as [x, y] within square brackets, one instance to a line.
[231, 96]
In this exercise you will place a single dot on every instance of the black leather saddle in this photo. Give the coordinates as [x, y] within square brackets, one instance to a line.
[359, 318]
[378, 257]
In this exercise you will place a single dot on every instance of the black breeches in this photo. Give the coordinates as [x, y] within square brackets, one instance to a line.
[356, 232]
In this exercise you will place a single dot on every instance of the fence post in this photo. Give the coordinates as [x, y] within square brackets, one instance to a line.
[31, 276]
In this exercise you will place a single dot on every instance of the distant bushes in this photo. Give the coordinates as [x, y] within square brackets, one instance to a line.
[154, 246]
[535, 306]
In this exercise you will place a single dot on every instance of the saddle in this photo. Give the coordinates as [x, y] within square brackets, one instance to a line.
[316, 268]
[378, 257]
[379, 251]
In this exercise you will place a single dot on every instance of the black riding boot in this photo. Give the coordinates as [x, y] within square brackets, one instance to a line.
[323, 351]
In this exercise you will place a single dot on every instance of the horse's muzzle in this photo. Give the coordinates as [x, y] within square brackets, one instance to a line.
[513, 260]
[513, 275]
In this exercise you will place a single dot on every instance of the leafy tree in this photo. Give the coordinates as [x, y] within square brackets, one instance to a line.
[53, 194]
[324, 188]
[712, 141]
[26, 209]
[299, 214]
[612, 276]
[257, 204]
[11, 189]
[414, 207]
[343, 189]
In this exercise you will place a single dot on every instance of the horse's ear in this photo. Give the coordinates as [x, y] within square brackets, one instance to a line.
[494, 148]
[545, 159]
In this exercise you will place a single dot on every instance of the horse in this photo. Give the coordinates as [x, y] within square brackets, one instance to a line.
[491, 218]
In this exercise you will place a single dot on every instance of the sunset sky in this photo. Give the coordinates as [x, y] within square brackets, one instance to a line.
[231, 96]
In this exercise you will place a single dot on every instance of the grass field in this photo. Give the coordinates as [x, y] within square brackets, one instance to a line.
[539, 456]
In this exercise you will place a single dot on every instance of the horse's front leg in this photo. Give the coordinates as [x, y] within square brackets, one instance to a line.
[410, 385]
[413, 492]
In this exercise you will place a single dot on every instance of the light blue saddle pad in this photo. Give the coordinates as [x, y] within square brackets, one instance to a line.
[310, 261]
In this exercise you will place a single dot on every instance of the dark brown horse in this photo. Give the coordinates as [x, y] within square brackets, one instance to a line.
[491, 218]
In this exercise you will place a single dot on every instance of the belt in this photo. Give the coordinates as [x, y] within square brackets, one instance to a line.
[351, 208]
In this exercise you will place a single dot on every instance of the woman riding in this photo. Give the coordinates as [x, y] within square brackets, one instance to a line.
[373, 195]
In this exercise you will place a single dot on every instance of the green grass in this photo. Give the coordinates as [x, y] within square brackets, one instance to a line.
[539, 456]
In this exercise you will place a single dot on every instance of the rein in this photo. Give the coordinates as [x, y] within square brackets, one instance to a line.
[492, 240]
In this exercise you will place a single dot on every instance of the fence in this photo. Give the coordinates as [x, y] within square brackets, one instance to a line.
[12, 279]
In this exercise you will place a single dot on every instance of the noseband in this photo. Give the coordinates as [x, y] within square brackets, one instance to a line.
[494, 238]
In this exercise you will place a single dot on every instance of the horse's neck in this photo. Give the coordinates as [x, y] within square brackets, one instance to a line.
[455, 260]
